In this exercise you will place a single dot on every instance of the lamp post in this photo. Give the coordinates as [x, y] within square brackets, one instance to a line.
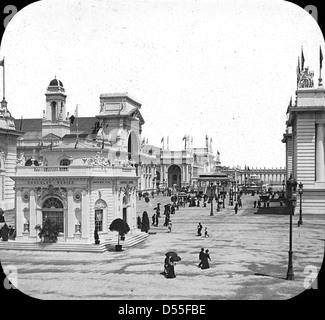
[283, 184]
[223, 195]
[211, 189]
[300, 190]
[218, 206]
[291, 188]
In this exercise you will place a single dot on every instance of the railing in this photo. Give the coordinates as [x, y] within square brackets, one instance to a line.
[75, 170]
[50, 169]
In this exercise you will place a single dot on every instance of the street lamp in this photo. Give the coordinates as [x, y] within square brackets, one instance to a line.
[223, 195]
[219, 185]
[230, 193]
[211, 189]
[291, 189]
[300, 190]
[283, 184]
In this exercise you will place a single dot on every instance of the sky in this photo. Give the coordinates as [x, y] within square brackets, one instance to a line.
[226, 68]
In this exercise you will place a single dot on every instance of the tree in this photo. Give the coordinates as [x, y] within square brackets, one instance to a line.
[121, 227]
[145, 226]
[49, 231]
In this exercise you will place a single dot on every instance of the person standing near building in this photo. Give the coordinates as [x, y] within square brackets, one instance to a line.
[236, 207]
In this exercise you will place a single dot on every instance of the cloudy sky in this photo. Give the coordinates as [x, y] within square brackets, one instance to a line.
[223, 68]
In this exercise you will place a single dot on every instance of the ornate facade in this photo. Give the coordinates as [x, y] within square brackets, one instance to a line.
[82, 181]
[304, 141]
[8, 154]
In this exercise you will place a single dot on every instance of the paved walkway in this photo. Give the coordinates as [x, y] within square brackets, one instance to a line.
[249, 260]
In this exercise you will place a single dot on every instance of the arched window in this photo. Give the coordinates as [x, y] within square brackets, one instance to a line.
[29, 163]
[53, 111]
[53, 209]
[100, 205]
[65, 162]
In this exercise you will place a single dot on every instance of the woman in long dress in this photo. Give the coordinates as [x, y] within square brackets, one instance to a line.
[205, 260]
[170, 270]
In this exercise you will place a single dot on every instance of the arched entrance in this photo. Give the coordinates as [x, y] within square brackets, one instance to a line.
[53, 209]
[100, 206]
[133, 147]
[174, 176]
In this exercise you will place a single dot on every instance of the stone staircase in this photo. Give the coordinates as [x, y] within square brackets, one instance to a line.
[108, 245]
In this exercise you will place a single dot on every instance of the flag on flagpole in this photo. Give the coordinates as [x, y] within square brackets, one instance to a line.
[320, 57]
[2, 63]
[302, 59]
[162, 140]
[74, 115]
[298, 71]
[184, 138]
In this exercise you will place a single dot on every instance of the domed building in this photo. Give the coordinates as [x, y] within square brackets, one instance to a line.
[81, 173]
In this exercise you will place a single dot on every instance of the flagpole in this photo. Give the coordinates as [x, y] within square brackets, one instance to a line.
[320, 66]
[4, 78]
[77, 122]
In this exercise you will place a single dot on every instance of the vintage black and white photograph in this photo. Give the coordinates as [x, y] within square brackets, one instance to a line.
[162, 150]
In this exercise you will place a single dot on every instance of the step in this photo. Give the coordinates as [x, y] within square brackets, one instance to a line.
[72, 247]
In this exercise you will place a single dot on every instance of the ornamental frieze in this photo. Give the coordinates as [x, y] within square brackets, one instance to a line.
[51, 191]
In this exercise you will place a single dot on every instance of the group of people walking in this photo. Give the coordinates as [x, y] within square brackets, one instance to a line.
[204, 258]
[199, 230]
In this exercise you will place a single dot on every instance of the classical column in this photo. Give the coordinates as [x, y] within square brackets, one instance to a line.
[19, 214]
[32, 214]
[85, 216]
[70, 216]
[320, 163]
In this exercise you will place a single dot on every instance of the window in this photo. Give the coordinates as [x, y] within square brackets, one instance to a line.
[65, 162]
[53, 210]
[99, 219]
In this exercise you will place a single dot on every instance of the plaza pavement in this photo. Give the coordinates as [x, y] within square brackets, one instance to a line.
[249, 260]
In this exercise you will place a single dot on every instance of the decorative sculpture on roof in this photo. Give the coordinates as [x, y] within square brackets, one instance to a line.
[136, 114]
[21, 160]
[306, 79]
[97, 160]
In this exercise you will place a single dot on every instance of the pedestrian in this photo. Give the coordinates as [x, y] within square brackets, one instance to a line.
[255, 204]
[153, 219]
[205, 260]
[169, 226]
[157, 221]
[170, 270]
[201, 255]
[206, 232]
[199, 229]
[166, 265]
[236, 207]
